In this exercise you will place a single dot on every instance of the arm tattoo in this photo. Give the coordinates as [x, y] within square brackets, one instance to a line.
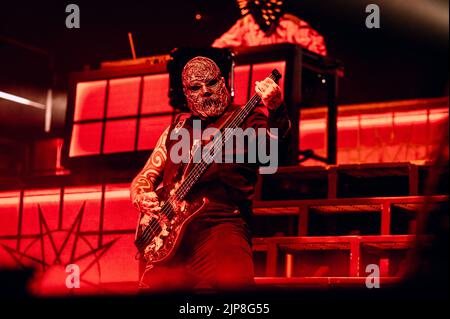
[149, 177]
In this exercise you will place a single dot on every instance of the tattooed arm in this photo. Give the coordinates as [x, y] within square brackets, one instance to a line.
[143, 187]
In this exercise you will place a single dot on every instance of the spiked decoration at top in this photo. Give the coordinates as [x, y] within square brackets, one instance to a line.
[267, 13]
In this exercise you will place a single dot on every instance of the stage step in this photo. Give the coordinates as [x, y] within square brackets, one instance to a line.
[367, 216]
[130, 288]
[322, 282]
[282, 251]
[348, 181]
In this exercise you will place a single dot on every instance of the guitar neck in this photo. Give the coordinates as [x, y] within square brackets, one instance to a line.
[234, 122]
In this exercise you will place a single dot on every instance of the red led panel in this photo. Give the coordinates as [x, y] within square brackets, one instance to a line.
[420, 134]
[119, 263]
[123, 97]
[6, 260]
[48, 200]
[155, 94]
[74, 197]
[348, 138]
[90, 100]
[119, 213]
[262, 70]
[378, 138]
[241, 78]
[33, 247]
[151, 129]
[86, 139]
[312, 134]
[9, 213]
[436, 132]
[372, 133]
[89, 266]
[119, 136]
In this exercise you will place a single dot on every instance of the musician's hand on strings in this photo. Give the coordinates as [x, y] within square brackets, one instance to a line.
[177, 205]
[175, 188]
[148, 205]
[147, 202]
[146, 218]
[270, 93]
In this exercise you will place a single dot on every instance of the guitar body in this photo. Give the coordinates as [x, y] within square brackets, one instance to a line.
[159, 242]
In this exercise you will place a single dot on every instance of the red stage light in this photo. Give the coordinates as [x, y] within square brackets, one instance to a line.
[48, 201]
[259, 73]
[151, 129]
[10, 213]
[122, 256]
[241, 78]
[86, 139]
[118, 213]
[261, 70]
[119, 136]
[154, 97]
[376, 138]
[74, 198]
[90, 100]
[123, 97]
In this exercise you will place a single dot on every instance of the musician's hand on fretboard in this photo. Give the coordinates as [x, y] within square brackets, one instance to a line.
[147, 203]
[270, 93]
[146, 218]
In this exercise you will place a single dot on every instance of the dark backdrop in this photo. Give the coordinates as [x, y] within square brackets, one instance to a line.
[406, 58]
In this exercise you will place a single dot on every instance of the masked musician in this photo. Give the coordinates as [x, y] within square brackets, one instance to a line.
[215, 250]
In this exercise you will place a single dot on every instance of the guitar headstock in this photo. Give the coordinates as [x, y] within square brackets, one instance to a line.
[275, 75]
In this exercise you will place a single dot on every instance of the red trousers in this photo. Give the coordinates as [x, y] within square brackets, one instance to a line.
[214, 254]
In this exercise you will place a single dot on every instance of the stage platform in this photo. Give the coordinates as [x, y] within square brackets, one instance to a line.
[312, 227]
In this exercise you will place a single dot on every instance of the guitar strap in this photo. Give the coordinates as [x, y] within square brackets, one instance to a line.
[179, 121]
